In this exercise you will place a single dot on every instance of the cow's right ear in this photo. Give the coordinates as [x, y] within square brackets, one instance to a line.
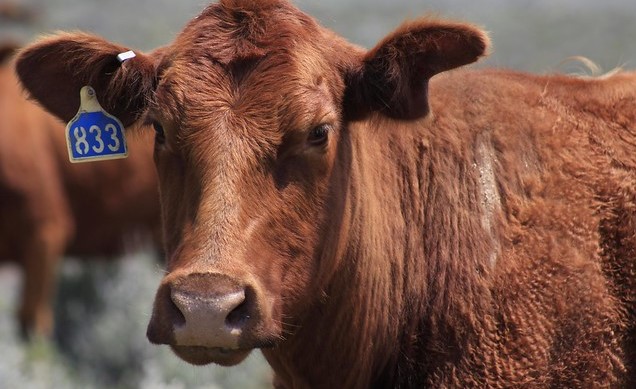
[54, 70]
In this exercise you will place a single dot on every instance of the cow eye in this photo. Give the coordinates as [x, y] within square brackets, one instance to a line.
[160, 137]
[319, 135]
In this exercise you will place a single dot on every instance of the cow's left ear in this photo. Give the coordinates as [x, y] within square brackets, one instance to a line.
[392, 78]
[54, 70]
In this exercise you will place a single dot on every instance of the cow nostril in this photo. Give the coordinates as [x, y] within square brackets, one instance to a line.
[177, 317]
[239, 316]
[166, 315]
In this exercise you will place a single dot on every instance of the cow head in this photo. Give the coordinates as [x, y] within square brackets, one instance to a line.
[251, 105]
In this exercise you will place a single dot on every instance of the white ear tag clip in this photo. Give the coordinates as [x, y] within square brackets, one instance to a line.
[94, 134]
[125, 56]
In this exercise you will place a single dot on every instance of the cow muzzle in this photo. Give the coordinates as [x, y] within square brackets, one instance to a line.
[206, 317]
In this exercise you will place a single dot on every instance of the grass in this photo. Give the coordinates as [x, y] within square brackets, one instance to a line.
[101, 314]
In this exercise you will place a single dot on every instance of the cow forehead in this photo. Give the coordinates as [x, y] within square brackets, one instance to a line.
[236, 31]
[279, 89]
[273, 91]
[252, 69]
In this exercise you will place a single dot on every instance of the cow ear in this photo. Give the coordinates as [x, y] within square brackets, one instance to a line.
[54, 70]
[392, 78]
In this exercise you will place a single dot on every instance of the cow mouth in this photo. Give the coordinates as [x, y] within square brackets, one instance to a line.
[199, 355]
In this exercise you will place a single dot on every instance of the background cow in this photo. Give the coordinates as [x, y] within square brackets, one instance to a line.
[368, 224]
[15, 12]
[50, 208]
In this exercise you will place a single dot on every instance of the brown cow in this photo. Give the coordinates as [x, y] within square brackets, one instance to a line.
[14, 12]
[365, 223]
[50, 207]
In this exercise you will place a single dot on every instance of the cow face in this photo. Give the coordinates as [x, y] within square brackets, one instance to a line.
[246, 142]
[251, 106]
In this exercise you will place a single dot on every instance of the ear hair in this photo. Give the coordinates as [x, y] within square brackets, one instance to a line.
[54, 69]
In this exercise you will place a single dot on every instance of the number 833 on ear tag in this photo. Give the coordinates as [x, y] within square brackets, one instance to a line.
[94, 134]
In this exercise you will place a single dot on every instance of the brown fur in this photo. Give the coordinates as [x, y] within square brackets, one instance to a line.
[472, 229]
[51, 208]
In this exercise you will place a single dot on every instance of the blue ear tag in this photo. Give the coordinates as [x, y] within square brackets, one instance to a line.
[94, 134]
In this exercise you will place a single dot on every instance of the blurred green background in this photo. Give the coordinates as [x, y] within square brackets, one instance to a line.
[102, 307]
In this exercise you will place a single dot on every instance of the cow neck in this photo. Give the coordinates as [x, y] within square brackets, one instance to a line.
[405, 229]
